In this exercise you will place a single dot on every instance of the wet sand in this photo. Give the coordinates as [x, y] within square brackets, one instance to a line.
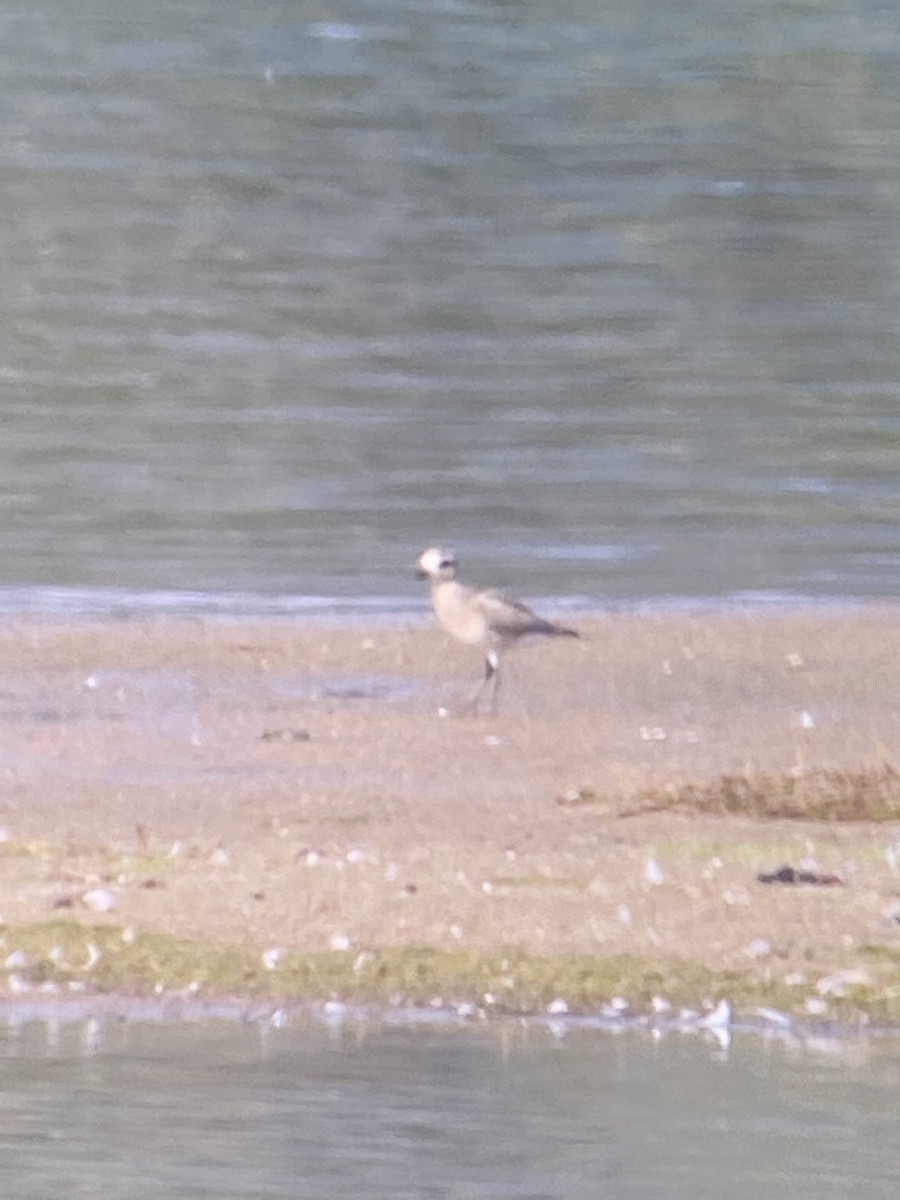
[270, 784]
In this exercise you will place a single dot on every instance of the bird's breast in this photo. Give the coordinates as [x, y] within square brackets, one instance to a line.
[455, 608]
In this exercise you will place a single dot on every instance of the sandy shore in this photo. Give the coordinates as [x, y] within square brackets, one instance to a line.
[268, 785]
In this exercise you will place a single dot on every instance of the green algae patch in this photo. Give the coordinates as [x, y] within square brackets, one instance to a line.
[43, 851]
[868, 794]
[537, 879]
[62, 957]
[103, 958]
[103, 863]
[107, 959]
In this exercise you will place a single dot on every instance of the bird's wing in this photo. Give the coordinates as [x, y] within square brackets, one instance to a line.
[506, 614]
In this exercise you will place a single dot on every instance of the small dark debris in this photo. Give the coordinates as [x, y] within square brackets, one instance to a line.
[257, 895]
[46, 715]
[410, 889]
[791, 875]
[149, 884]
[63, 902]
[285, 735]
[574, 796]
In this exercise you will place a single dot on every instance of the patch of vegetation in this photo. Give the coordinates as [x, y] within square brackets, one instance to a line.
[67, 954]
[889, 954]
[13, 849]
[868, 794]
[536, 879]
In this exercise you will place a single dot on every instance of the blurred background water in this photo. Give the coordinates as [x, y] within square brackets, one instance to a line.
[233, 1110]
[603, 294]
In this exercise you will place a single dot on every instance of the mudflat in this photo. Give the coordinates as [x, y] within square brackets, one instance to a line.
[293, 790]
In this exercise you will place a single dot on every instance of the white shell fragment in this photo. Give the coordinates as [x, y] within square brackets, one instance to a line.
[838, 983]
[100, 900]
[653, 733]
[719, 1018]
[653, 873]
[774, 1017]
[759, 948]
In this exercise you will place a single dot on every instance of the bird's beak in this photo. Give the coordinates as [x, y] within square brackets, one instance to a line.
[420, 574]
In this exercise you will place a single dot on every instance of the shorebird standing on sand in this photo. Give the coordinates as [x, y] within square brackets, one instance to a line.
[480, 617]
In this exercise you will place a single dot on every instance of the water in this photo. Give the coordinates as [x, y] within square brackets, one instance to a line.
[605, 294]
[227, 1110]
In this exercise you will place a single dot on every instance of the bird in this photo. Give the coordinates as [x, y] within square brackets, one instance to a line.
[482, 617]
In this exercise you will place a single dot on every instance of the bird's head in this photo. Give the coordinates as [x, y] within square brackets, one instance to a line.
[436, 564]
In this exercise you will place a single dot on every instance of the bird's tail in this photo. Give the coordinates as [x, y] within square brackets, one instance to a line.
[552, 630]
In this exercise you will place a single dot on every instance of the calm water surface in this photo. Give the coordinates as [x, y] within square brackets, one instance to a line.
[605, 294]
[224, 1110]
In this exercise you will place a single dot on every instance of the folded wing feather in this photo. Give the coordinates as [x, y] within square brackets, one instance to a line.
[506, 615]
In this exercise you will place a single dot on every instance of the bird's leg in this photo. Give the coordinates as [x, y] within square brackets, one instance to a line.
[471, 702]
[492, 679]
